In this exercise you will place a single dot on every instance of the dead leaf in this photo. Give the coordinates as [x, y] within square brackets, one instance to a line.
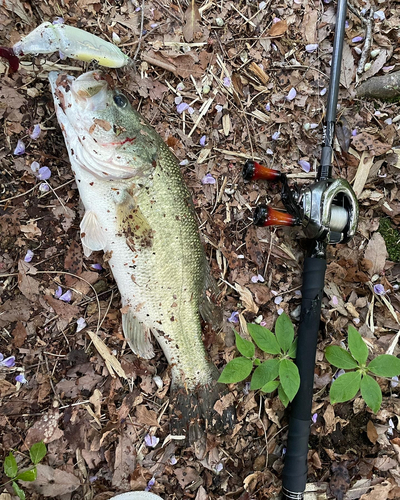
[278, 29]
[125, 458]
[246, 298]
[367, 142]
[340, 481]
[371, 432]
[45, 429]
[19, 334]
[186, 475]
[73, 262]
[62, 308]
[192, 17]
[146, 417]
[364, 167]
[53, 482]
[385, 463]
[27, 285]
[31, 231]
[6, 388]
[376, 253]
[348, 69]
[66, 215]
[378, 492]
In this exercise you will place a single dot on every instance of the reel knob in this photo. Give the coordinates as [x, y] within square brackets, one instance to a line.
[253, 171]
[267, 216]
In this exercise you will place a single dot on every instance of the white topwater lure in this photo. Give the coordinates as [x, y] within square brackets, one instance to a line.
[71, 42]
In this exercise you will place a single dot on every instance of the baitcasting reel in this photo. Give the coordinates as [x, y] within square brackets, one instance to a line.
[327, 210]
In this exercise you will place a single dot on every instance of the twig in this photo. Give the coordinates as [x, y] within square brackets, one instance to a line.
[141, 33]
[367, 44]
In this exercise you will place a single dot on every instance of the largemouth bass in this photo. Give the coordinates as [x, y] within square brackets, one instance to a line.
[139, 211]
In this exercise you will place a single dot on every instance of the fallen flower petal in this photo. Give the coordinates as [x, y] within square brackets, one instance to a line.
[81, 324]
[278, 300]
[8, 362]
[268, 107]
[44, 187]
[178, 99]
[151, 441]
[208, 179]
[219, 108]
[275, 136]
[311, 47]
[44, 173]
[227, 81]
[395, 381]
[379, 15]
[35, 134]
[219, 467]
[58, 293]
[203, 140]
[357, 39]
[234, 317]
[98, 267]
[21, 379]
[305, 165]
[67, 296]
[184, 162]
[20, 148]
[323, 91]
[29, 256]
[173, 460]
[150, 484]
[280, 311]
[292, 94]
[58, 20]
[379, 289]
[35, 167]
[315, 417]
[183, 106]
[180, 87]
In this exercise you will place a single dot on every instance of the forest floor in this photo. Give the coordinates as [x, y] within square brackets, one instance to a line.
[255, 75]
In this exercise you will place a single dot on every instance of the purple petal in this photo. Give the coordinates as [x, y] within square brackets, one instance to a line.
[219, 467]
[379, 15]
[58, 293]
[395, 381]
[61, 55]
[387, 68]
[323, 91]
[203, 139]
[219, 108]
[275, 136]
[268, 107]
[190, 110]
[44, 173]
[260, 278]
[80, 324]
[183, 106]
[357, 39]
[180, 87]
[178, 99]
[263, 323]
[379, 289]
[154, 25]
[305, 165]
[184, 162]
[292, 94]
[311, 47]
[335, 301]
[35, 132]
[20, 148]
[29, 256]
[35, 167]
[97, 267]
[208, 179]
[173, 460]
[278, 300]
[227, 82]
[234, 317]
[151, 441]
[280, 311]
[354, 132]
[21, 379]
[8, 362]
[67, 296]
[150, 484]
[315, 417]
[254, 279]
[44, 187]
[58, 20]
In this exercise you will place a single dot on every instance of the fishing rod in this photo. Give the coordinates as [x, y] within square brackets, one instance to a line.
[328, 212]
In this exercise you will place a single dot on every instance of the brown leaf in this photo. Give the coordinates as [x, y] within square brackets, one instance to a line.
[186, 475]
[6, 388]
[192, 18]
[371, 432]
[53, 482]
[73, 262]
[376, 253]
[254, 247]
[45, 429]
[19, 334]
[340, 481]
[379, 492]
[27, 285]
[61, 308]
[367, 142]
[278, 29]
[348, 69]
[146, 417]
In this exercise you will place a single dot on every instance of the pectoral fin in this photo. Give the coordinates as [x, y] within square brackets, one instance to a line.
[137, 335]
[92, 235]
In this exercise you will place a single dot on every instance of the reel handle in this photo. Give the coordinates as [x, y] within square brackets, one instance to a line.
[267, 216]
[253, 171]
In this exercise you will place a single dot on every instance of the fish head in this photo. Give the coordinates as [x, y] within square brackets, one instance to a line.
[104, 134]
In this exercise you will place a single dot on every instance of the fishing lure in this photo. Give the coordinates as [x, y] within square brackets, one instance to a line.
[71, 42]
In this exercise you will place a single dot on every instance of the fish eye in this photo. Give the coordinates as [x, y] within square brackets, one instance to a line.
[120, 100]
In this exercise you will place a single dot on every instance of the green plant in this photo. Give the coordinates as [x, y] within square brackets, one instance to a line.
[347, 385]
[37, 452]
[391, 235]
[278, 372]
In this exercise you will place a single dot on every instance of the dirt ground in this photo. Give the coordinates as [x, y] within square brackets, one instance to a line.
[252, 78]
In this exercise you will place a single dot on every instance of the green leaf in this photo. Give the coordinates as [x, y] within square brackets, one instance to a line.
[345, 387]
[284, 331]
[10, 465]
[289, 377]
[385, 365]
[293, 349]
[271, 386]
[264, 338]
[282, 396]
[357, 346]
[27, 475]
[245, 347]
[339, 357]
[236, 370]
[371, 392]
[264, 373]
[18, 491]
[37, 452]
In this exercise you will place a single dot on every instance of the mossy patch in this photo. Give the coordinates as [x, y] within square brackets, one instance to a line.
[391, 235]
